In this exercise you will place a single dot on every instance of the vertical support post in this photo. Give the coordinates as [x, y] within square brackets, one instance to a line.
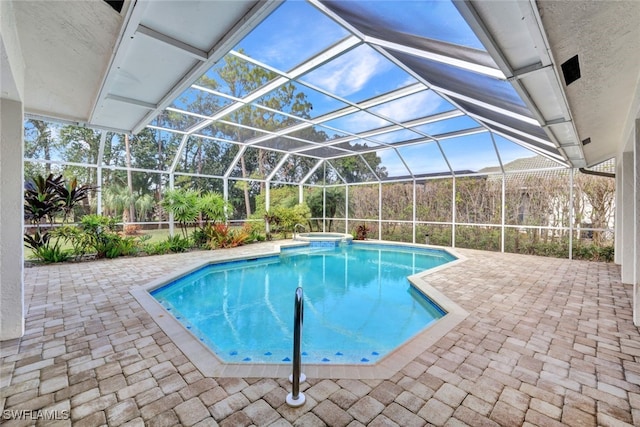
[324, 209]
[453, 213]
[296, 397]
[618, 215]
[379, 211]
[346, 208]
[502, 209]
[103, 139]
[267, 196]
[99, 190]
[171, 186]
[225, 196]
[414, 212]
[627, 219]
[571, 212]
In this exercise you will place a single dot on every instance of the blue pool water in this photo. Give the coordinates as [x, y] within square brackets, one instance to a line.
[358, 303]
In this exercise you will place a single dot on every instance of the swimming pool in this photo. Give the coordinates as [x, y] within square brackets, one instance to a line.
[359, 304]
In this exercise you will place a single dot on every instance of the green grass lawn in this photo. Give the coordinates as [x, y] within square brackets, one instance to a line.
[158, 235]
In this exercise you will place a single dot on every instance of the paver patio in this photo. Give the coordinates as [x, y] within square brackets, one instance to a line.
[547, 342]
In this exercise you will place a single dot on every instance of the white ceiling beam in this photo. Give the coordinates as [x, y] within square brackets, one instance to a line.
[215, 92]
[236, 106]
[194, 52]
[392, 96]
[434, 118]
[527, 71]
[458, 133]
[131, 101]
[517, 131]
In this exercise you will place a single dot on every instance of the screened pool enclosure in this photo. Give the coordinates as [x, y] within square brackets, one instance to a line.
[409, 121]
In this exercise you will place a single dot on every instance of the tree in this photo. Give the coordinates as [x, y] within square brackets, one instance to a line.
[359, 168]
[39, 142]
[597, 197]
[324, 204]
[433, 200]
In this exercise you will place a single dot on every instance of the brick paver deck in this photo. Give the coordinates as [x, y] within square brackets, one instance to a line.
[547, 342]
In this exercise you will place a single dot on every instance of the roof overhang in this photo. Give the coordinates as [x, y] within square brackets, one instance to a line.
[605, 100]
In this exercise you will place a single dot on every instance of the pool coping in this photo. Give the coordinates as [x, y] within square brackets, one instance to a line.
[205, 360]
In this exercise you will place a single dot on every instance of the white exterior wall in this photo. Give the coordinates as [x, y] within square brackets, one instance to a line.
[11, 221]
[635, 240]
[11, 172]
[618, 214]
[626, 222]
[629, 220]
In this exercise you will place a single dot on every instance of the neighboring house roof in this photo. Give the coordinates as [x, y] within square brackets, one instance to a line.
[522, 170]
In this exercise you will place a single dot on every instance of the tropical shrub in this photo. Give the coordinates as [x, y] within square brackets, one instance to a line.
[177, 244]
[187, 206]
[45, 199]
[184, 206]
[222, 236]
[74, 236]
[199, 238]
[255, 231]
[283, 219]
[213, 207]
[100, 236]
[52, 253]
[361, 232]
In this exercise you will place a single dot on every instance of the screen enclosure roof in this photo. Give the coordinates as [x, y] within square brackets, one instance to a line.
[479, 68]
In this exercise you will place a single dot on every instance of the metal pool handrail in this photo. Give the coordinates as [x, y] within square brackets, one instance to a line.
[295, 227]
[296, 397]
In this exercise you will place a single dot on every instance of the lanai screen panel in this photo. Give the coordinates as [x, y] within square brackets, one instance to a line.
[205, 156]
[421, 104]
[425, 159]
[484, 154]
[414, 21]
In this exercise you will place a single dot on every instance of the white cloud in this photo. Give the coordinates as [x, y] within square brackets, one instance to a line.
[360, 122]
[411, 107]
[349, 73]
[287, 37]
